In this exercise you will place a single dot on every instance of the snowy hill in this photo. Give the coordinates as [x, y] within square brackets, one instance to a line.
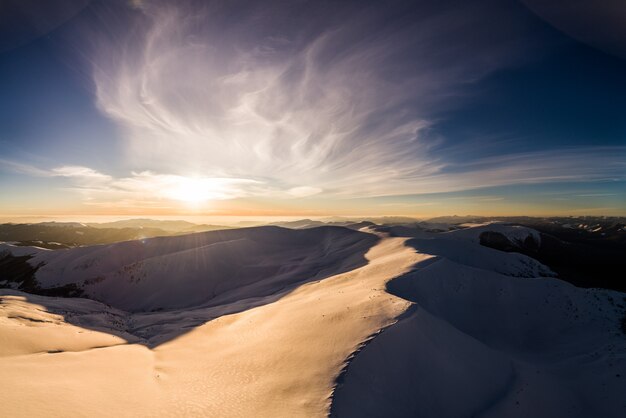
[392, 321]
[185, 271]
[497, 346]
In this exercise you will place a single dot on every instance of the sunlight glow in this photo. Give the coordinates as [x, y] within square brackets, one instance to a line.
[195, 190]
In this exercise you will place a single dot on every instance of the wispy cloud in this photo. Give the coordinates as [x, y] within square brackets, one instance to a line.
[149, 189]
[596, 194]
[338, 110]
[146, 188]
[21, 168]
[79, 172]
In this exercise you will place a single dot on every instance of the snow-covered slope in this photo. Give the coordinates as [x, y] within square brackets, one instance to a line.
[269, 322]
[275, 359]
[477, 342]
[185, 271]
[514, 233]
[463, 246]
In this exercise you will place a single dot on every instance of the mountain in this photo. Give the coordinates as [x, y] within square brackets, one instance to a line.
[381, 220]
[164, 225]
[51, 235]
[186, 271]
[308, 223]
[390, 320]
[494, 344]
[299, 224]
[55, 235]
[63, 224]
[456, 219]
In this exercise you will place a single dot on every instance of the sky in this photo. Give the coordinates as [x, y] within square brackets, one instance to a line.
[312, 108]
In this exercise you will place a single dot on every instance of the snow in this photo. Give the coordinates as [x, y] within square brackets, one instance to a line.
[305, 323]
[20, 251]
[515, 233]
[480, 343]
[279, 358]
[217, 267]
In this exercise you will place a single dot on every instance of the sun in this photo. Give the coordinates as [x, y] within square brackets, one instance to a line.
[193, 190]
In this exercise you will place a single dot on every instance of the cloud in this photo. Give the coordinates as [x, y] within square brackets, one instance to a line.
[295, 100]
[304, 191]
[81, 172]
[337, 105]
[596, 194]
[18, 167]
[148, 189]
[174, 187]
[583, 164]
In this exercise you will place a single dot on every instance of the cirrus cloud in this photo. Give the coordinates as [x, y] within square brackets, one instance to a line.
[337, 105]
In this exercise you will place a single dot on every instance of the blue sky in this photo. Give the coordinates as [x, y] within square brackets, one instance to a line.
[313, 108]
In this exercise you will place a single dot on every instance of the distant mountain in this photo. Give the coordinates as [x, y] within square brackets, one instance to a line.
[381, 220]
[308, 223]
[299, 224]
[72, 235]
[455, 219]
[353, 223]
[165, 225]
[55, 235]
[388, 220]
[63, 224]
